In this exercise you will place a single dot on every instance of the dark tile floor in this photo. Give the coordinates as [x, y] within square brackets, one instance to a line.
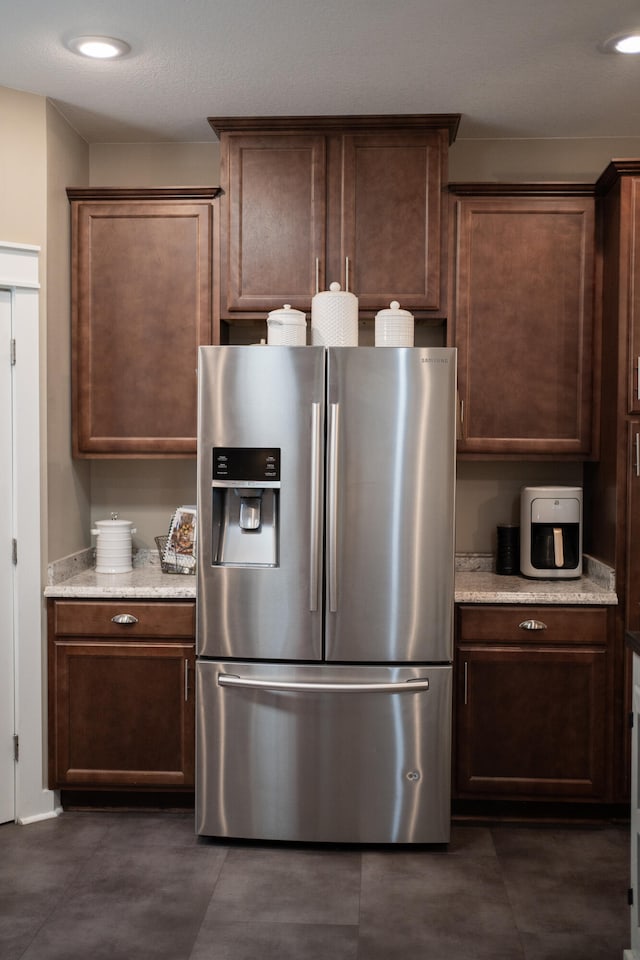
[124, 886]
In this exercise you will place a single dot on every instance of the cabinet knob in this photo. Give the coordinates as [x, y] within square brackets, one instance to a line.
[532, 625]
[124, 618]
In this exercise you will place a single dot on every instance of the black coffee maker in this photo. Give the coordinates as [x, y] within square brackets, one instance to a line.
[551, 532]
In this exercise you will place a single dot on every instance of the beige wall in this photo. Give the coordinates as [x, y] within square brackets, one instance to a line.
[519, 160]
[69, 493]
[23, 169]
[155, 164]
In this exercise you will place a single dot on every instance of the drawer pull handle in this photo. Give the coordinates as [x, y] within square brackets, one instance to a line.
[124, 618]
[532, 625]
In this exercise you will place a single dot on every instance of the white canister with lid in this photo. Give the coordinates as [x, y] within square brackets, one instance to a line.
[114, 545]
[334, 318]
[287, 327]
[394, 327]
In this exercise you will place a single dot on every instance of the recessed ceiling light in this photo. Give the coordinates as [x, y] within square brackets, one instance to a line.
[622, 43]
[100, 48]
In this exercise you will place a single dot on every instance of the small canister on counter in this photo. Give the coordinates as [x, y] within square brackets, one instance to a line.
[508, 549]
[394, 327]
[287, 327]
[334, 318]
[113, 545]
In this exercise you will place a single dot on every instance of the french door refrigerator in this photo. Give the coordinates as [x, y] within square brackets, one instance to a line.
[326, 482]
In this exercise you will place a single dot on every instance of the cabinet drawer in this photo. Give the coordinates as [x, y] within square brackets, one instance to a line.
[561, 624]
[152, 618]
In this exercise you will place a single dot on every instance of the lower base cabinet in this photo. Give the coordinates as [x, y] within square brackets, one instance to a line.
[531, 703]
[121, 694]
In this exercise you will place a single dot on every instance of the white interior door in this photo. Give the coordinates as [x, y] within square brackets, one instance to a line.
[7, 717]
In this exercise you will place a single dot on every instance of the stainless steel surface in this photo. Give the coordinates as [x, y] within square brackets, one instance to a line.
[332, 505]
[324, 676]
[405, 686]
[279, 765]
[315, 564]
[260, 397]
[532, 625]
[393, 516]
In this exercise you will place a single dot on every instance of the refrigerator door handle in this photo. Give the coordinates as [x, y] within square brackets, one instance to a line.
[287, 686]
[316, 464]
[332, 547]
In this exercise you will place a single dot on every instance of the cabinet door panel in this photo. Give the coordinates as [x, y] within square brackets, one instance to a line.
[631, 288]
[524, 278]
[273, 226]
[142, 305]
[121, 714]
[392, 218]
[632, 619]
[531, 723]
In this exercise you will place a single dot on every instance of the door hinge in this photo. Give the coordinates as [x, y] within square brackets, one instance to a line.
[14, 551]
[630, 896]
[16, 747]
[12, 352]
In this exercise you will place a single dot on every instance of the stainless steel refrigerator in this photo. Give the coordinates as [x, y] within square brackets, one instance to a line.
[325, 588]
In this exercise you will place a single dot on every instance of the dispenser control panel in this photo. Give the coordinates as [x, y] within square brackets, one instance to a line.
[247, 465]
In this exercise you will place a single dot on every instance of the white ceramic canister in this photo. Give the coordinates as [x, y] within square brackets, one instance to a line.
[286, 327]
[394, 327]
[334, 318]
[113, 545]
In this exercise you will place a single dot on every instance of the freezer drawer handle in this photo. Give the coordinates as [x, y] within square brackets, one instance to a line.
[124, 618]
[532, 625]
[405, 686]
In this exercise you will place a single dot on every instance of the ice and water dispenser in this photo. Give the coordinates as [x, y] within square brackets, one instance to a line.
[245, 506]
[551, 532]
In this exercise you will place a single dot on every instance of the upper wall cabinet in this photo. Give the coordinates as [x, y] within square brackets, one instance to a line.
[308, 201]
[522, 317]
[618, 190]
[142, 298]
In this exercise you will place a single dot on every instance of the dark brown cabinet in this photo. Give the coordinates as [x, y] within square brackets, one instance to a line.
[522, 317]
[612, 483]
[632, 618]
[532, 704]
[142, 304]
[308, 201]
[630, 297]
[121, 694]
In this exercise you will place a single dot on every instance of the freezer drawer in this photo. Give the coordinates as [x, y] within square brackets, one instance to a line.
[322, 753]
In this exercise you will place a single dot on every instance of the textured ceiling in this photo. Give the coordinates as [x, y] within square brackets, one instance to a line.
[512, 68]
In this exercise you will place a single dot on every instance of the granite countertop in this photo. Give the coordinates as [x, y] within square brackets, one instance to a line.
[485, 587]
[476, 582]
[75, 578]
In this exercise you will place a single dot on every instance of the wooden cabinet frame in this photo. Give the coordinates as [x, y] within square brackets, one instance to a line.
[311, 200]
[533, 708]
[522, 314]
[142, 302]
[121, 696]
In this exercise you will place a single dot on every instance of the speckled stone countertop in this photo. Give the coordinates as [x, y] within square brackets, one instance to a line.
[476, 582]
[75, 578]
